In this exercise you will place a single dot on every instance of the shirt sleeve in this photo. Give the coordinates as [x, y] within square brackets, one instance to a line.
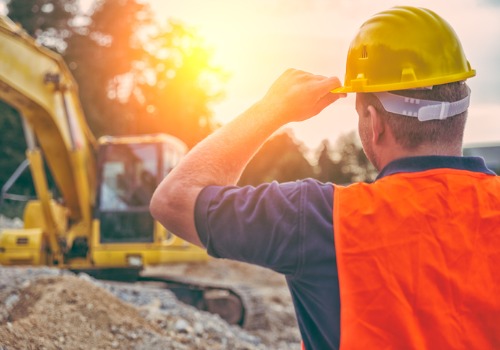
[264, 225]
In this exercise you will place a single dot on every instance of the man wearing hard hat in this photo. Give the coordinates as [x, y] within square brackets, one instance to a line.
[409, 261]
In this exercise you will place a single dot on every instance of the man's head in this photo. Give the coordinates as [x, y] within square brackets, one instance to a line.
[408, 133]
[403, 63]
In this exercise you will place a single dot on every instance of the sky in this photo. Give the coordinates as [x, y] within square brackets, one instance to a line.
[255, 41]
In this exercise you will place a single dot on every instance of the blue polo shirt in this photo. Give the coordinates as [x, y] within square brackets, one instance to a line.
[288, 227]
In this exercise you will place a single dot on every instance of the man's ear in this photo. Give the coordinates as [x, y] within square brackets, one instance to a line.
[378, 125]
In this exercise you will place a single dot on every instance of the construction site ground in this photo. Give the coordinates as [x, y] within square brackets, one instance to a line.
[46, 308]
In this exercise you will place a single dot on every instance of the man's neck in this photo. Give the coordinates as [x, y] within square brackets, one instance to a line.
[425, 150]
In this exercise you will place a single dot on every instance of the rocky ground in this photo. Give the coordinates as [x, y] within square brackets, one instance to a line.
[47, 308]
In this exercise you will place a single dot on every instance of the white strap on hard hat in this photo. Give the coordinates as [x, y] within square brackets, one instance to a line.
[424, 110]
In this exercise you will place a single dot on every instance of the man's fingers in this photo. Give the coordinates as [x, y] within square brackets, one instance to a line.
[329, 83]
[327, 100]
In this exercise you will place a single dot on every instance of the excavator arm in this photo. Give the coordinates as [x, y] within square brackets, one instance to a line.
[37, 82]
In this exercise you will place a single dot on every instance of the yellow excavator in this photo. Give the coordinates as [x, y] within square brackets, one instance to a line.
[99, 222]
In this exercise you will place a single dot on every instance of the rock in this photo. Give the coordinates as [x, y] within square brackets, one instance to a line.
[11, 301]
[182, 326]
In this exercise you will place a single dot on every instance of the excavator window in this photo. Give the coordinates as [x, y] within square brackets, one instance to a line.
[128, 177]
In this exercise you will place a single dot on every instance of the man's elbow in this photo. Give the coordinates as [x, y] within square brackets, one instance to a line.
[175, 211]
[160, 206]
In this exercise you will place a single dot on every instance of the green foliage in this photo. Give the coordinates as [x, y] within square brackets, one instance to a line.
[49, 21]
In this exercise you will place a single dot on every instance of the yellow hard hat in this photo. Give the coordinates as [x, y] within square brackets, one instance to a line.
[404, 48]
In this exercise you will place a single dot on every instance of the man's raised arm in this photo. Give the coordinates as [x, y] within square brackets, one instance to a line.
[221, 158]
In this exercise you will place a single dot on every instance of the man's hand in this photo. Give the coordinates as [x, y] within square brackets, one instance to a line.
[297, 95]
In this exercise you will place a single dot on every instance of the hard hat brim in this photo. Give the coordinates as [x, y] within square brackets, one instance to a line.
[363, 87]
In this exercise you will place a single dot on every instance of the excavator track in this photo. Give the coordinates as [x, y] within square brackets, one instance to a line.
[236, 304]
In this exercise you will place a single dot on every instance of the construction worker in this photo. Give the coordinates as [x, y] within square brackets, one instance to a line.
[409, 261]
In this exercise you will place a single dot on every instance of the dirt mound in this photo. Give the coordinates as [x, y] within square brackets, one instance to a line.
[47, 308]
[66, 312]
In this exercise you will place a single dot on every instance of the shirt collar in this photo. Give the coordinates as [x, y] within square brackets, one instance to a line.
[423, 163]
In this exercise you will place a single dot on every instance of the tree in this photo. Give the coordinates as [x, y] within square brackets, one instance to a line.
[350, 161]
[102, 56]
[180, 84]
[328, 170]
[281, 159]
[144, 78]
[49, 21]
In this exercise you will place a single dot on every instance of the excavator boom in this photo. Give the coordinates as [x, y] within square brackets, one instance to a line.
[37, 82]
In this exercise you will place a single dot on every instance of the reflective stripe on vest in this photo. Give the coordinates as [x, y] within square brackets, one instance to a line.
[418, 259]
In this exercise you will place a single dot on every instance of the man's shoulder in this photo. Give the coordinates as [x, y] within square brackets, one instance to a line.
[308, 183]
[309, 186]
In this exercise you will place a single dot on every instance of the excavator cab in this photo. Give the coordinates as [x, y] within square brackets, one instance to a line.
[129, 168]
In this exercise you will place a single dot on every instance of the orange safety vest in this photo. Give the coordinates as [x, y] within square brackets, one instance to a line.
[418, 259]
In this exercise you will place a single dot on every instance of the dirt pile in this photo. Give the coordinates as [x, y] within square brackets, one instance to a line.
[66, 312]
[50, 309]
